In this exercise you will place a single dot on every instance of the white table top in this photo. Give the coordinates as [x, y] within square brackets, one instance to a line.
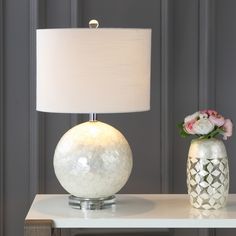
[134, 211]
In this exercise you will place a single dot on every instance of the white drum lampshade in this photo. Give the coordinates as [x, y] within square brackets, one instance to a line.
[93, 71]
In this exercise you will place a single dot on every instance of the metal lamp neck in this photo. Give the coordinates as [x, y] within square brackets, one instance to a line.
[92, 116]
[93, 24]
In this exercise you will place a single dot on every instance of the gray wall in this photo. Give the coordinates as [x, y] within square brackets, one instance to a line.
[193, 66]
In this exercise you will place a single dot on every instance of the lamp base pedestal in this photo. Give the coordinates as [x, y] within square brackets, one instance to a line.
[91, 203]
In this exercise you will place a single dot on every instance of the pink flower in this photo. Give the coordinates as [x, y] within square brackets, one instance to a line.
[217, 119]
[188, 127]
[228, 129]
[211, 112]
[203, 111]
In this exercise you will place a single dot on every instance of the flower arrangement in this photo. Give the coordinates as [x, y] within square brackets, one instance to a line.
[206, 124]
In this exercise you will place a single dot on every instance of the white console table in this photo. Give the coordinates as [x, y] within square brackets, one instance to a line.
[49, 213]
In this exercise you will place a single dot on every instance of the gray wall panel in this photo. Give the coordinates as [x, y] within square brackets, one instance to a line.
[166, 98]
[1, 123]
[55, 126]
[185, 84]
[16, 117]
[58, 13]
[36, 119]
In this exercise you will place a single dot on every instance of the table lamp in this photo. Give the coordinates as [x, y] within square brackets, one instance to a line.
[93, 70]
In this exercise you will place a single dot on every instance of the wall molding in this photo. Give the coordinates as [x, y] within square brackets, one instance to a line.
[36, 129]
[166, 95]
[206, 54]
[1, 120]
[33, 129]
[74, 13]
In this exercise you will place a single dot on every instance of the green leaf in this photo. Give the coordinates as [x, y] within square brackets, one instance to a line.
[184, 134]
[180, 125]
[212, 134]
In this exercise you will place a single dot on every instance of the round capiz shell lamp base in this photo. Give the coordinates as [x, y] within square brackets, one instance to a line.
[92, 162]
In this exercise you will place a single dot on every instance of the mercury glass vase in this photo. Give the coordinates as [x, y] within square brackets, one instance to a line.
[207, 174]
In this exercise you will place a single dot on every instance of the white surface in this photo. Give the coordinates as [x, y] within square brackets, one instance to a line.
[93, 70]
[134, 211]
[93, 160]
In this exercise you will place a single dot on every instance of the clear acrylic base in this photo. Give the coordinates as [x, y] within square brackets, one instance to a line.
[91, 203]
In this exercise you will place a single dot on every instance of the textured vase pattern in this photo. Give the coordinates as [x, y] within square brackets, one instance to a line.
[207, 174]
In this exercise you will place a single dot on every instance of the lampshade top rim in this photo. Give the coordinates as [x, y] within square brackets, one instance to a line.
[99, 29]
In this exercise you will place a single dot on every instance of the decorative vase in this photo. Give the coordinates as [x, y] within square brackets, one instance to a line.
[207, 174]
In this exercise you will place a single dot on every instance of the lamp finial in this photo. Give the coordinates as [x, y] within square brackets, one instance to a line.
[93, 24]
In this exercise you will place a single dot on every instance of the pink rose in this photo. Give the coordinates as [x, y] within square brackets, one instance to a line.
[211, 112]
[188, 127]
[217, 119]
[228, 129]
[203, 111]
